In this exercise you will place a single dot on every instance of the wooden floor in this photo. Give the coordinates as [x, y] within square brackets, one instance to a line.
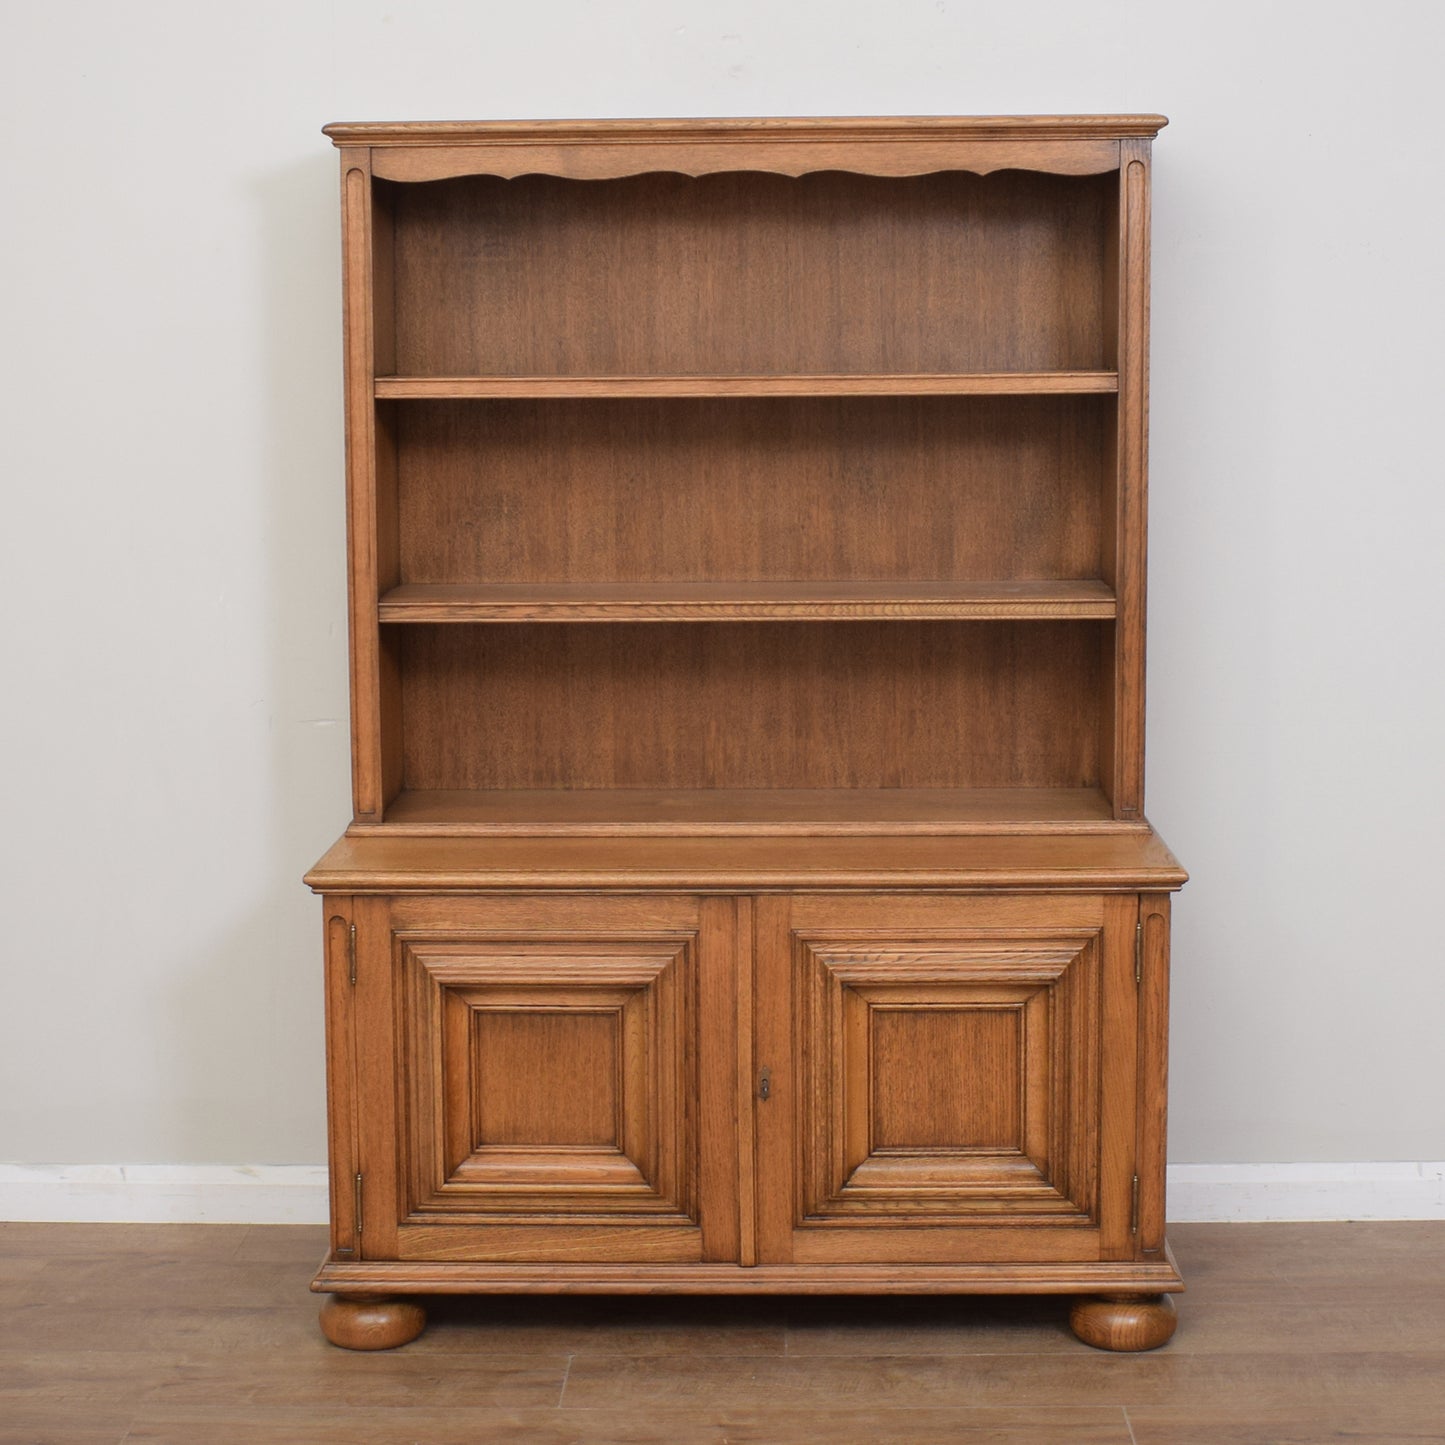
[1289, 1333]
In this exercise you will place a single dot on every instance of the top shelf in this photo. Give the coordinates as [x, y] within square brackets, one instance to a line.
[980, 383]
[835, 129]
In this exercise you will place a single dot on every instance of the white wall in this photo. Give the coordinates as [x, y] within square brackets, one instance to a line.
[173, 668]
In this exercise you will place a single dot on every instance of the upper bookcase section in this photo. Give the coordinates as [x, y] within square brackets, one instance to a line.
[1062, 144]
[747, 257]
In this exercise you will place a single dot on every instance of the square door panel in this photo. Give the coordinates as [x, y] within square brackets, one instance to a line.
[543, 1077]
[548, 1079]
[946, 1079]
[943, 1075]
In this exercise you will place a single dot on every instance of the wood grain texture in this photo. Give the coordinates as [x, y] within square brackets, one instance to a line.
[1153, 1108]
[1199, 1387]
[1067, 145]
[724, 1118]
[825, 490]
[1113, 862]
[575, 1241]
[748, 1425]
[984, 383]
[893, 1277]
[367, 1324]
[825, 130]
[1118, 1081]
[1127, 508]
[550, 1078]
[742, 601]
[603, 162]
[778, 1121]
[749, 1078]
[1018, 1110]
[377, 1188]
[1290, 1334]
[365, 470]
[341, 1077]
[750, 274]
[945, 1079]
[1125, 1324]
[544, 1063]
[717, 812]
[753, 705]
[516, 1051]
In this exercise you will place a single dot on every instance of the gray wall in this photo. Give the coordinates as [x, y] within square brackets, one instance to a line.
[173, 668]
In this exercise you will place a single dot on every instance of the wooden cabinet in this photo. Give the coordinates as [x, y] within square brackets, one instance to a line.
[748, 887]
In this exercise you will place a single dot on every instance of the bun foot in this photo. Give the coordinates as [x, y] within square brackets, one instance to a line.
[370, 1323]
[1124, 1322]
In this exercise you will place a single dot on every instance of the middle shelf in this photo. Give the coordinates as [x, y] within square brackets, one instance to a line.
[745, 601]
[978, 383]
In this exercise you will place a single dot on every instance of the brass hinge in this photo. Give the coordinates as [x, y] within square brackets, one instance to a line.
[1138, 953]
[1133, 1209]
[351, 960]
[357, 1208]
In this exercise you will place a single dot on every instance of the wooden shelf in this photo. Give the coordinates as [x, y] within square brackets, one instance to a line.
[748, 812]
[986, 383]
[1121, 860]
[744, 601]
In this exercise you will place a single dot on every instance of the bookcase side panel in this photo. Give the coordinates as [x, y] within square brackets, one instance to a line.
[371, 499]
[1126, 509]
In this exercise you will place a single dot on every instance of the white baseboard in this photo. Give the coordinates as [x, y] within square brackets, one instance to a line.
[1205, 1193]
[296, 1193]
[165, 1193]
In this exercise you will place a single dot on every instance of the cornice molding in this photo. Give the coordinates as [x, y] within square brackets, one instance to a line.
[745, 131]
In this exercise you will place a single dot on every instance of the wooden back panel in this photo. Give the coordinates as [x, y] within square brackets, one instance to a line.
[753, 705]
[750, 273]
[909, 488]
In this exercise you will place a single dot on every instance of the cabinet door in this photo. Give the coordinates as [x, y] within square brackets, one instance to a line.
[547, 1079]
[948, 1078]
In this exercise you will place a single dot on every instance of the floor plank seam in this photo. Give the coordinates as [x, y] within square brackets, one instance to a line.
[806, 1357]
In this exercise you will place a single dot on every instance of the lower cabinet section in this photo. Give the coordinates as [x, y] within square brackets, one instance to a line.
[831, 1091]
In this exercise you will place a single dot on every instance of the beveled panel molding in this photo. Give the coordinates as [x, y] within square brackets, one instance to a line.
[548, 1078]
[948, 1078]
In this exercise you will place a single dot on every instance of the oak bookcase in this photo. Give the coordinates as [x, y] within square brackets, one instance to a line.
[748, 888]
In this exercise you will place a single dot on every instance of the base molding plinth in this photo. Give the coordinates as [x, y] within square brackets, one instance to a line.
[389, 1279]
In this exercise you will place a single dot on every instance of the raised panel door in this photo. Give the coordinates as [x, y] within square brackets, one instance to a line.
[949, 1078]
[556, 1079]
